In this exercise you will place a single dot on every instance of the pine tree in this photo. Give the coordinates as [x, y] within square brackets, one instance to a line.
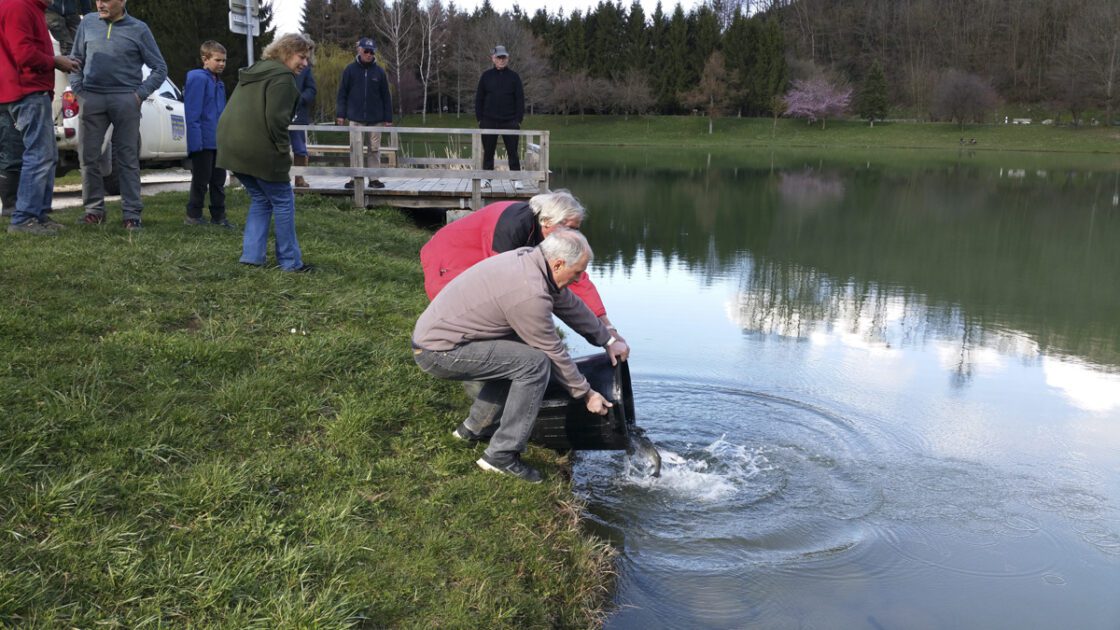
[180, 28]
[872, 101]
[768, 76]
[636, 48]
[703, 39]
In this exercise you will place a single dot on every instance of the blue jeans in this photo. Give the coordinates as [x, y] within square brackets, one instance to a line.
[299, 142]
[270, 202]
[33, 120]
[515, 377]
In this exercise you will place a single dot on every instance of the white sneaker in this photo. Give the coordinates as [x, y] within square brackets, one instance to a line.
[485, 183]
[517, 185]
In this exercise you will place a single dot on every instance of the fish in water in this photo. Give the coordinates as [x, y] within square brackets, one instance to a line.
[643, 453]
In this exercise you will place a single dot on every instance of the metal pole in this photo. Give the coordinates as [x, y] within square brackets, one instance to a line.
[249, 29]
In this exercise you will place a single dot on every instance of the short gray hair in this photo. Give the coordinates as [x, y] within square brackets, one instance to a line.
[556, 208]
[567, 245]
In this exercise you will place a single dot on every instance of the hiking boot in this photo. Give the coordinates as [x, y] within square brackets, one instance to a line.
[194, 221]
[132, 224]
[31, 226]
[376, 183]
[301, 182]
[463, 433]
[513, 466]
[90, 218]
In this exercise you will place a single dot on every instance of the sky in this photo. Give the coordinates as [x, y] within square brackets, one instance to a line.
[289, 12]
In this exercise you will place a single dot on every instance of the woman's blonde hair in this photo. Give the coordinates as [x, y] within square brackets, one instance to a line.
[288, 45]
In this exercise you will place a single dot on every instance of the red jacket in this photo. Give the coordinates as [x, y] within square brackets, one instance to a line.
[460, 244]
[26, 52]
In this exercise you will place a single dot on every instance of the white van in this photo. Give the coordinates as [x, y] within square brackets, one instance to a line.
[163, 130]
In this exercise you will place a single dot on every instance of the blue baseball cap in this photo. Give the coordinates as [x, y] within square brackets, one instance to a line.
[367, 43]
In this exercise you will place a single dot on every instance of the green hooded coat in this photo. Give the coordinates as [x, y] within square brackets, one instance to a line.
[253, 129]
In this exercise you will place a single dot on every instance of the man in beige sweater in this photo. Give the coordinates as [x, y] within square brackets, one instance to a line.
[493, 324]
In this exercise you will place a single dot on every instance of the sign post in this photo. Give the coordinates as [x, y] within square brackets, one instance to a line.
[244, 17]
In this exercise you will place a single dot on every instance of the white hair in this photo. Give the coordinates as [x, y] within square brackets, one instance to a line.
[556, 208]
[567, 245]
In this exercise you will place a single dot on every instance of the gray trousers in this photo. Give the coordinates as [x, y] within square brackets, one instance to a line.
[98, 111]
[514, 378]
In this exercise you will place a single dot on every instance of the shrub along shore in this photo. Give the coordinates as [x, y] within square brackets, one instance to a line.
[188, 441]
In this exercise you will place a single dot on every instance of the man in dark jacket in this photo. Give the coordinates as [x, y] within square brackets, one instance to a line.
[363, 99]
[499, 103]
[305, 83]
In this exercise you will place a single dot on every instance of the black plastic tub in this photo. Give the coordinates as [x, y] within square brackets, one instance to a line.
[564, 423]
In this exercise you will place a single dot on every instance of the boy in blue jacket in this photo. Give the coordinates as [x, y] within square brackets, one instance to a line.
[204, 99]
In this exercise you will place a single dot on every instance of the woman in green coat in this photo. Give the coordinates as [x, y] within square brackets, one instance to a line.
[253, 144]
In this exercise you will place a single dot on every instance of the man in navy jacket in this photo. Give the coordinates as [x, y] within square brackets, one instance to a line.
[499, 103]
[363, 99]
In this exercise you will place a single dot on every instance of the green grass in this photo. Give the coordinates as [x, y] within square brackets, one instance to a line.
[187, 441]
[692, 131]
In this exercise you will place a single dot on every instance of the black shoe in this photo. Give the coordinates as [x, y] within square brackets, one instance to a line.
[512, 466]
[376, 183]
[194, 221]
[222, 223]
[463, 433]
[349, 185]
[304, 268]
[31, 226]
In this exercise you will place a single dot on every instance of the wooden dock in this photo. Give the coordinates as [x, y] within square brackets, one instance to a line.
[423, 181]
[419, 192]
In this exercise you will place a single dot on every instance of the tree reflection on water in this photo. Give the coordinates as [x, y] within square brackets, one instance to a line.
[891, 251]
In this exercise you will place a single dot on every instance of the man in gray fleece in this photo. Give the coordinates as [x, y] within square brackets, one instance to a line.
[493, 323]
[113, 47]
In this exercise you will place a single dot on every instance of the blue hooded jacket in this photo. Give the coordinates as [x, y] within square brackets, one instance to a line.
[204, 99]
[363, 94]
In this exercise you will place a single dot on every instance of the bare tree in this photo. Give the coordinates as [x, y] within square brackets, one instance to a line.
[713, 93]
[396, 24]
[1094, 45]
[963, 97]
[432, 22]
[632, 94]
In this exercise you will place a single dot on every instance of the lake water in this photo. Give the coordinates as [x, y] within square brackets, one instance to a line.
[886, 387]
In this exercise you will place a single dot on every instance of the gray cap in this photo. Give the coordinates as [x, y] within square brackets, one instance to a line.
[499, 51]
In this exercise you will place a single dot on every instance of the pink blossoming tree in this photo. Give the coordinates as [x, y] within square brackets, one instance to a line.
[816, 99]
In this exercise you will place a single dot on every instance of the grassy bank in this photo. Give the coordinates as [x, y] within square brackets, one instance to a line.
[692, 131]
[188, 441]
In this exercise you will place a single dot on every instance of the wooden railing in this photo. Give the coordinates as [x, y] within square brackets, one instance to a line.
[535, 165]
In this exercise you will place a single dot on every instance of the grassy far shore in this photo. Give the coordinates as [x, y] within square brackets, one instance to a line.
[692, 131]
[188, 441]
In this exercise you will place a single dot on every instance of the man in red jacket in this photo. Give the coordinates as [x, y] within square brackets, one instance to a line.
[501, 227]
[27, 65]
